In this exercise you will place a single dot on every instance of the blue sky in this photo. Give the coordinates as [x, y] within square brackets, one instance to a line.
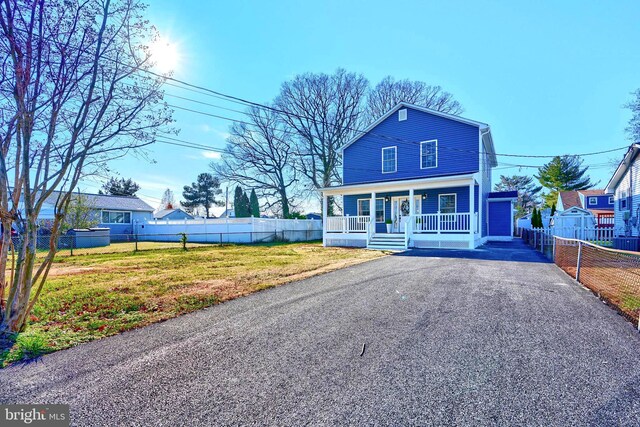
[550, 77]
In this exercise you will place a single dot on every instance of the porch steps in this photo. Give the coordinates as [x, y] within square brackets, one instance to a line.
[389, 242]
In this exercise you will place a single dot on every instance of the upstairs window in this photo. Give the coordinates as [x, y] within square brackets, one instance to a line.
[116, 217]
[389, 160]
[593, 201]
[428, 154]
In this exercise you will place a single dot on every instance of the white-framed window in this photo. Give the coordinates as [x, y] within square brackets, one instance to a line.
[389, 159]
[447, 203]
[402, 115]
[116, 217]
[622, 203]
[429, 154]
[610, 200]
[364, 208]
[593, 201]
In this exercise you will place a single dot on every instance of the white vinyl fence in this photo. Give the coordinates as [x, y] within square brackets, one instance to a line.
[600, 235]
[230, 230]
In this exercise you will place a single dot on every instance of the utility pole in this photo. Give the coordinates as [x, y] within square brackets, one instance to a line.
[226, 203]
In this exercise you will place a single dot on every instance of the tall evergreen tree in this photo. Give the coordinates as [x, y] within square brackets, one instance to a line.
[119, 187]
[563, 173]
[241, 205]
[202, 193]
[526, 188]
[254, 204]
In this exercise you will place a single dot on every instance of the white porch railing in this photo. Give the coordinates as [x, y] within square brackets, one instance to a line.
[442, 223]
[347, 224]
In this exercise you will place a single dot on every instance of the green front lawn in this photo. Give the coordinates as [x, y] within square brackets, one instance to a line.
[96, 295]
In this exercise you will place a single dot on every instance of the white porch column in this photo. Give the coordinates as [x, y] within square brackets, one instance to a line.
[412, 210]
[324, 219]
[512, 219]
[372, 212]
[472, 216]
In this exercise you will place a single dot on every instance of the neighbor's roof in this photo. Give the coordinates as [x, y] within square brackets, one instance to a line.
[570, 199]
[624, 165]
[105, 201]
[164, 212]
[487, 138]
[591, 193]
[503, 195]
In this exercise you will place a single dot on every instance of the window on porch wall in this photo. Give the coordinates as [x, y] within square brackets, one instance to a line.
[364, 210]
[447, 203]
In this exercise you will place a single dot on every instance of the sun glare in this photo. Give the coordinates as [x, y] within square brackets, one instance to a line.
[165, 55]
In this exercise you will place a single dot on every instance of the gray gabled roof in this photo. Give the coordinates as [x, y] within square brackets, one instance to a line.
[105, 201]
[164, 212]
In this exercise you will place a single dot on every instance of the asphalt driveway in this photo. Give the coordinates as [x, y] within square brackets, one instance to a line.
[496, 336]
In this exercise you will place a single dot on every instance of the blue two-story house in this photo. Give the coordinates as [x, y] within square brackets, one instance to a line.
[419, 178]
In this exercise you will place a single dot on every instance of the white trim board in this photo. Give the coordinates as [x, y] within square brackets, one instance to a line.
[401, 185]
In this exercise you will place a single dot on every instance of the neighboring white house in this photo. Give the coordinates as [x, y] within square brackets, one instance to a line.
[625, 188]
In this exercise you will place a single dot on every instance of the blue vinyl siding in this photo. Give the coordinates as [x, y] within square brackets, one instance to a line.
[457, 149]
[119, 231]
[500, 218]
[629, 189]
[602, 202]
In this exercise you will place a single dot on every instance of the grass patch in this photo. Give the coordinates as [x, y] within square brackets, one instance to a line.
[100, 294]
[630, 302]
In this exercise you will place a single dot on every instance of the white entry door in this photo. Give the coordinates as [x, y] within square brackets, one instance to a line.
[400, 211]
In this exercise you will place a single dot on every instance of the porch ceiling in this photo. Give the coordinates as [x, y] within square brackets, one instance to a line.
[405, 185]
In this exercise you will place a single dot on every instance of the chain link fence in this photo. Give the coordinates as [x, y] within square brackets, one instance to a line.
[84, 244]
[613, 275]
[540, 240]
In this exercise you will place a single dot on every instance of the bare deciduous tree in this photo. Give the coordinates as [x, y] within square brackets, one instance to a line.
[72, 97]
[633, 130]
[260, 156]
[325, 111]
[389, 92]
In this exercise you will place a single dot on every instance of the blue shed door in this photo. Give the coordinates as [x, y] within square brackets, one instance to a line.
[500, 218]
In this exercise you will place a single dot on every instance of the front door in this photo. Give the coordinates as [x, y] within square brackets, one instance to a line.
[400, 211]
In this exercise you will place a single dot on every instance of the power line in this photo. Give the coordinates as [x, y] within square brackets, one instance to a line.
[236, 99]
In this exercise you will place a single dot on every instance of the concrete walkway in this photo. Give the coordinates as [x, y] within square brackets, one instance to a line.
[496, 336]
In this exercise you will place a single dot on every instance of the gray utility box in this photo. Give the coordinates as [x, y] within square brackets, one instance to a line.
[627, 243]
[90, 237]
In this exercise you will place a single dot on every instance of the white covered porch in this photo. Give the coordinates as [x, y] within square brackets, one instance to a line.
[413, 225]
